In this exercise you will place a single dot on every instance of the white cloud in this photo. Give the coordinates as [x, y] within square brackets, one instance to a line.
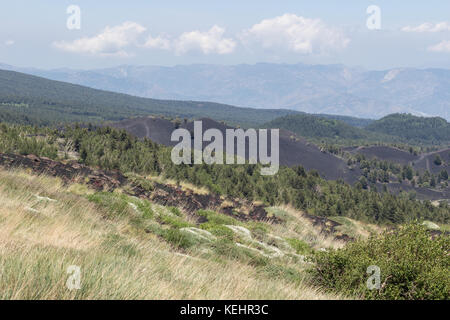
[287, 32]
[112, 41]
[295, 33]
[443, 46]
[158, 42]
[9, 42]
[428, 27]
[211, 41]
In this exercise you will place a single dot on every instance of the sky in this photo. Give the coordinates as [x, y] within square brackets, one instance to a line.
[83, 34]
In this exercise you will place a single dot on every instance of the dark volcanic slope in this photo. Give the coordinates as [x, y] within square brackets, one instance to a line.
[426, 161]
[293, 150]
[421, 193]
[421, 162]
[156, 129]
[386, 153]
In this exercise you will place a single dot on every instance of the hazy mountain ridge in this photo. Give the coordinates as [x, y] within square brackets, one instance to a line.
[332, 89]
[31, 99]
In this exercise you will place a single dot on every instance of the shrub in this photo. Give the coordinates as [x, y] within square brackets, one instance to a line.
[174, 221]
[437, 160]
[146, 209]
[412, 264]
[179, 239]
[217, 218]
[175, 211]
[219, 230]
[113, 205]
[299, 246]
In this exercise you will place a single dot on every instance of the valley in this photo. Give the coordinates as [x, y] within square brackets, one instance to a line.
[91, 171]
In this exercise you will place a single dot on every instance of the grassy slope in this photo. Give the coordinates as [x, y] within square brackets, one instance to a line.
[119, 259]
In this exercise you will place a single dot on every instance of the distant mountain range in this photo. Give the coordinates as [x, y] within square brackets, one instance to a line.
[330, 89]
[33, 100]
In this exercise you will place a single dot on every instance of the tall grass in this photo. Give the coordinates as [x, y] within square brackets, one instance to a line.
[118, 259]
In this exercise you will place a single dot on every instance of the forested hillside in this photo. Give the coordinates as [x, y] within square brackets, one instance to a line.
[412, 128]
[33, 100]
[330, 89]
[112, 149]
[312, 126]
[395, 128]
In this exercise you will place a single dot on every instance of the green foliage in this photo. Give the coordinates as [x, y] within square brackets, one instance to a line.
[174, 221]
[27, 99]
[437, 160]
[299, 246]
[259, 230]
[178, 239]
[113, 149]
[27, 140]
[392, 129]
[313, 126]
[218, 230]
[217, 218]
[413, 266]
[175, 211]
[444, 175]
[419, 129]
[139, 181]
[113, 205]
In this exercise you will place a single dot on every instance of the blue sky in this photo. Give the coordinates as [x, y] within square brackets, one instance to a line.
[412, 34]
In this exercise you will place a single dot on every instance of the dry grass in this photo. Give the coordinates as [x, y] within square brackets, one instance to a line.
[298, 226]
[117, 260]
[356, 229]
[185, 186]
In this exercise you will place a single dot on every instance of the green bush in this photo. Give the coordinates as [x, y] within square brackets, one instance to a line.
[259, 230]
[219, 230]
[174, 221]
[175, 211]
[412, 265]
[179, 239]
[145, 207]
[217, 218]
[113, 205]
[299, 246]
